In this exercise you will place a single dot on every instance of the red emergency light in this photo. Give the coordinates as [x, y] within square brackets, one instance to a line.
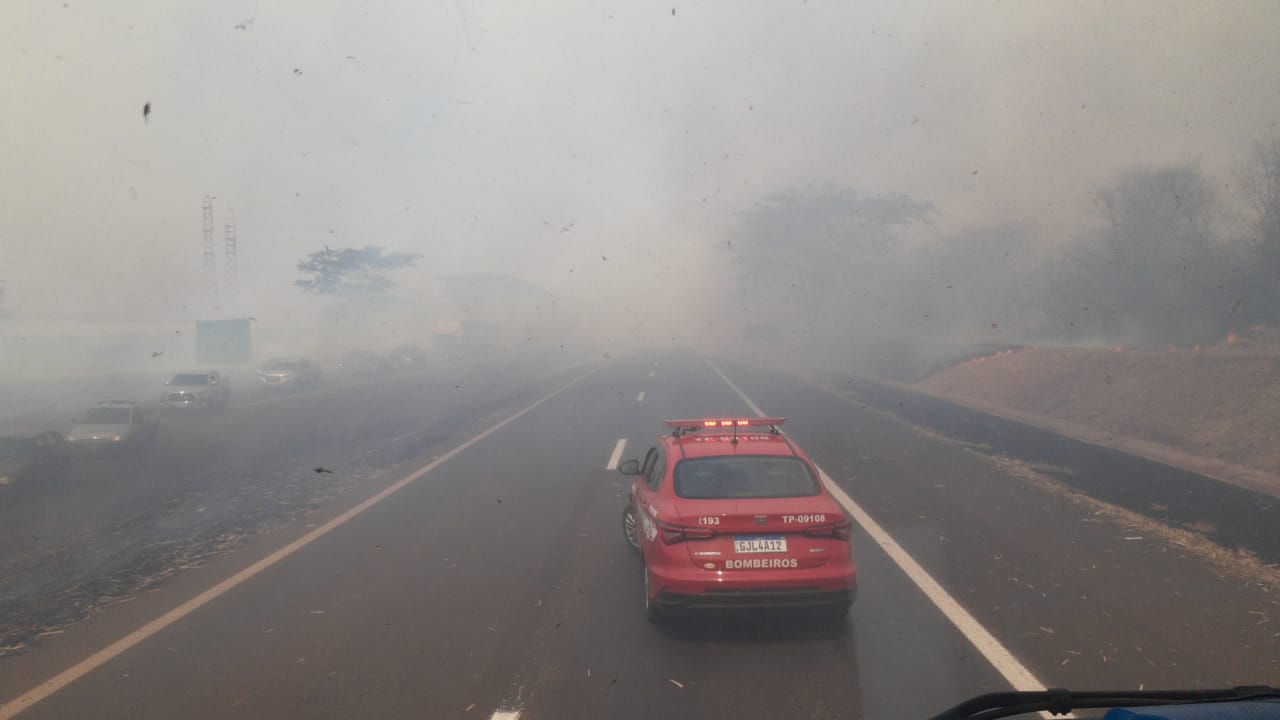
[709, 423]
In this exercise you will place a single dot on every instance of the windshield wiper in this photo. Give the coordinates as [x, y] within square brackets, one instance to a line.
[1060, 701]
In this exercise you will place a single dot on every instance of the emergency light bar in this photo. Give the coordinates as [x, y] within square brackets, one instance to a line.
[709, 423]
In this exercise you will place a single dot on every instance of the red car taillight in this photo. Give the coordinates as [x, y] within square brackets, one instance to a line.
[672, 534]
[840, 530]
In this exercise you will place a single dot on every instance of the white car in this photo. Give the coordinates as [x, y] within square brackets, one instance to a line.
[291, 374]
[113, 425]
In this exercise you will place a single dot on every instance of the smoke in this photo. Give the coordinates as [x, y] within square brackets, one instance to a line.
[603, 155]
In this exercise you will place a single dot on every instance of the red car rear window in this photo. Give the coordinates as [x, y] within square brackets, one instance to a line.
[759, 476]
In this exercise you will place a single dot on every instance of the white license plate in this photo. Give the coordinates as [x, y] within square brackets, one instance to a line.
[760, 544]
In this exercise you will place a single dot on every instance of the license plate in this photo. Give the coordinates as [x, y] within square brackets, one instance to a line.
[760, 544]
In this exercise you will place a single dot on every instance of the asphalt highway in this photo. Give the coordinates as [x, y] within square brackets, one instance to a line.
[483, 574]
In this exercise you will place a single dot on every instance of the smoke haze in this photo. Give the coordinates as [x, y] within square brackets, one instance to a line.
[606, 155]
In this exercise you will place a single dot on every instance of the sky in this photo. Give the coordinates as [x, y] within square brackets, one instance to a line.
[602, 151]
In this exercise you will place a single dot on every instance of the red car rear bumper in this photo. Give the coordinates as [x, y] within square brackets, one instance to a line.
[834, 585]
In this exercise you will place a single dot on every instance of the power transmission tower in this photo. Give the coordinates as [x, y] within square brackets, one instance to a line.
[230, 273]
[210, 268]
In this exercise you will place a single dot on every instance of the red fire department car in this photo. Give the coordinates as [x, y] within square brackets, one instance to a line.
[730, 514]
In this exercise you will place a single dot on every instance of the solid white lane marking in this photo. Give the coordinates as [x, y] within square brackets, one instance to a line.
[505, 715]
[106, 654]
[640, 397]
[737, 390]
[998, 655]
[616, 455]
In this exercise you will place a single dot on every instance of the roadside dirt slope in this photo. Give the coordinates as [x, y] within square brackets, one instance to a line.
[1213, 410]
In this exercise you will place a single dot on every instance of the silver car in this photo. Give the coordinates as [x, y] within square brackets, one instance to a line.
[289, 374]
[113, 425]
[196, 391]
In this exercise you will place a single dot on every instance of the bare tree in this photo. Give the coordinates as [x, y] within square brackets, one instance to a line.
[801, 255]
[1259, 183]
[1155, 274]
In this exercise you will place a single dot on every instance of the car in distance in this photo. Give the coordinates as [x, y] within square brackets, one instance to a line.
[196, 391]
[289, 373]
[730, 515]
[406, 358]
[114, 425]
[362, 365]
[29, 464]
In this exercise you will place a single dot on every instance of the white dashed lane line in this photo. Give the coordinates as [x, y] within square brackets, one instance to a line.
[505, 715]
[616, 455]
[651, 373]
[640, 397]
[998, 655]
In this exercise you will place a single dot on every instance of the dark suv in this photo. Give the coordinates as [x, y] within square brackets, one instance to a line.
[30, 464]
